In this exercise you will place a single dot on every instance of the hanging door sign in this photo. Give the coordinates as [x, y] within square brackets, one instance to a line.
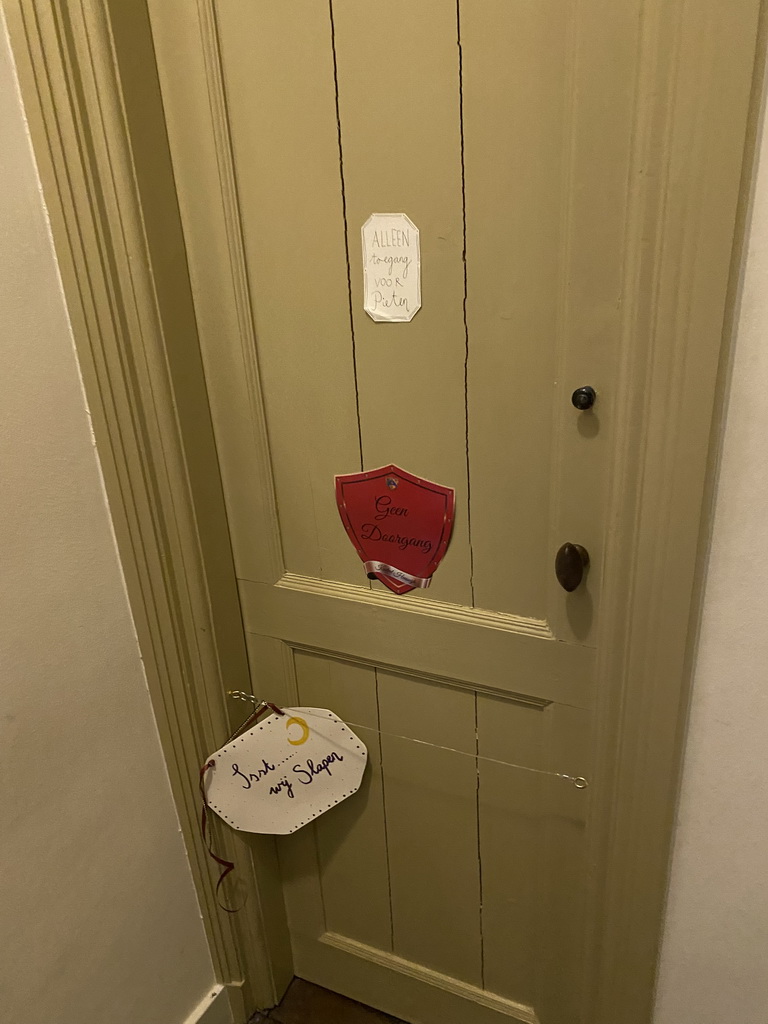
[391, 267]
[285, 772]
[399, 524]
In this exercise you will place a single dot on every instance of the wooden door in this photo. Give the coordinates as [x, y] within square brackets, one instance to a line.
[535, 146]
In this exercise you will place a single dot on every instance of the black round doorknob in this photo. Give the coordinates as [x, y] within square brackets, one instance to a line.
[584, 398]
[571, 562]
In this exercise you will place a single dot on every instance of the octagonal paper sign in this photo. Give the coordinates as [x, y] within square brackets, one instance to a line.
[391, 268]
[285, 772]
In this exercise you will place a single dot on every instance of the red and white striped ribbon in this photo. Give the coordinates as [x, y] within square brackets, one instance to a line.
[397, 574]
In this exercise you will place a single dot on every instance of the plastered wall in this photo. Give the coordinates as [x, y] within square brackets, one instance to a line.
[98, 918]
[714, 966]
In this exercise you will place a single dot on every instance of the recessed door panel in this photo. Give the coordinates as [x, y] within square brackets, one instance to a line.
[463, 856]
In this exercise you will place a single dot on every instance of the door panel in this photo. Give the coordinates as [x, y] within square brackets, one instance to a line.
[532, 851]
[431, 799]
[282, 111]
[529, 137]
[518, 136]
[548, 97]
[403, 153]
[357, 903]
[463, 855]
[517, 66]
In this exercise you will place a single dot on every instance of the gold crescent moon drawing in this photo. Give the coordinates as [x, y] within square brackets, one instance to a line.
[305, 731]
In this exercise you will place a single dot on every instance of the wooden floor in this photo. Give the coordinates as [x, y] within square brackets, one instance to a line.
[309, 1004]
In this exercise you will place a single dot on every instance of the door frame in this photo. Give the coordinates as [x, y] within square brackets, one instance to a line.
[96, 119]
[127, 294]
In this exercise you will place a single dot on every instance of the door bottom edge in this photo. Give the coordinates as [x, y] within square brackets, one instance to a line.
[517, 1012]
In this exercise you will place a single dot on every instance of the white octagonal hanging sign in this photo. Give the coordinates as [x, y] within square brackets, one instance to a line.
[285, 772]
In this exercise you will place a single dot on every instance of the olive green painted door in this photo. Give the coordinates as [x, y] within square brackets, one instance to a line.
[455, 886]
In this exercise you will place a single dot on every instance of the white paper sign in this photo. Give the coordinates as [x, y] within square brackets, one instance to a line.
[391, 267]
[285, 771]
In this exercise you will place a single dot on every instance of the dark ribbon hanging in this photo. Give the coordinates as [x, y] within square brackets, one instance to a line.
[227, 866]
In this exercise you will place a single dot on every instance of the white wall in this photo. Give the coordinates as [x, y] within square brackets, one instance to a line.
[98, 918]
[714, 966]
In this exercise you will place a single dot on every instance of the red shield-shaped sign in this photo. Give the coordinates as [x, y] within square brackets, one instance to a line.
[399, 524]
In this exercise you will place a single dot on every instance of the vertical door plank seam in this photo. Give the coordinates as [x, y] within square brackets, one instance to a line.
[320, 873]
[479, 842]
[290, 663]
[384, 813]
[464, 298]
[342, 183]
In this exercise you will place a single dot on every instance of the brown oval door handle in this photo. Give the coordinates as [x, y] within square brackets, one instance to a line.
[570, 563]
